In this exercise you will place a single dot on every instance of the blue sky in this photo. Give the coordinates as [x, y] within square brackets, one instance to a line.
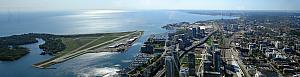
[150, 4]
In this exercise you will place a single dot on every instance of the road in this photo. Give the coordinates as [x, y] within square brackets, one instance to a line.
[200, 70]
[76, 53]
[161, 72]
[196, 43]
[235, 55]
[187, 49]
[239, 73]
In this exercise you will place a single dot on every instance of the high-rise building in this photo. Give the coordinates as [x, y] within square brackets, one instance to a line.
[215, 46]
[235, 28]
[251, 47]
[202, 33]
[263, 47]
[170, 72]
[212, 64]
[217, 60]
[191, 63]
[278, 45]
[198, 30]
[206, 68]
[183, 37]
[176, 60]
[184, 72]
[183, 41]
[172, 56]
[147, 48]
[194, 32]
[297, 47]
[225, 28]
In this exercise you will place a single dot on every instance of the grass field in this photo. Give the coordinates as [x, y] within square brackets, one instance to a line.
[99, 41]
[76, 42]
[73, 43]
[184, 60]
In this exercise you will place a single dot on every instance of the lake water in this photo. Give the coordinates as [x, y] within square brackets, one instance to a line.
[103, 64]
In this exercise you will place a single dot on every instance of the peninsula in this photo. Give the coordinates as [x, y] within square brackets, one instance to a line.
[65, 47]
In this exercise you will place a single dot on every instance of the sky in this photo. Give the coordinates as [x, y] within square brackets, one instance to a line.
[150, 4]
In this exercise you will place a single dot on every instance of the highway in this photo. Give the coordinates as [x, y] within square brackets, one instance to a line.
[187, 49]
[161, 72]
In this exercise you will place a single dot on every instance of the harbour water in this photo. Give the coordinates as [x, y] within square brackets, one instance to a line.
[103, 64]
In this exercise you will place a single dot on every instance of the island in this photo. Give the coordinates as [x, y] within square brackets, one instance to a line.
[10, 53]
[61, 45]
[10, 48]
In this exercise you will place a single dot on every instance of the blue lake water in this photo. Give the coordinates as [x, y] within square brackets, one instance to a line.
[89, 21]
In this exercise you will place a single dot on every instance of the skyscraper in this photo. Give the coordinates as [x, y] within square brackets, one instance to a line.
[202, 33]
[194, 32]
[217, 60]
[176, 60]
[215, 46]
[170, 72]
[191, 63]
[184, 72]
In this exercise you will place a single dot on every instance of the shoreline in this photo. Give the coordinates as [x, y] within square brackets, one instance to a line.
[150, 30]
[31, 38]
[59, 59]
